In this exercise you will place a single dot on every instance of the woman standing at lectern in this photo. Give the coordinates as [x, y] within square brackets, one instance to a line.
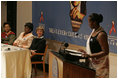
[97, 49]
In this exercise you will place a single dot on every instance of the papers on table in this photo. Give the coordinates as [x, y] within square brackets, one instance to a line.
[10, 49]
[74, 52]
[5, 47]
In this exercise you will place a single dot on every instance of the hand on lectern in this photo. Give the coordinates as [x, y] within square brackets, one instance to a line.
[81, 50]
[84, 53]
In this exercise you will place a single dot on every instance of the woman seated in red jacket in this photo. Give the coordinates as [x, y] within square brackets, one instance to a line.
[7, 37]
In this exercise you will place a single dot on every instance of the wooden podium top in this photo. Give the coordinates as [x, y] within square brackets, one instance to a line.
[81, 64]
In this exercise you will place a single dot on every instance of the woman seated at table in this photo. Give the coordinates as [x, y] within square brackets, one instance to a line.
[38, 44]
[25, 38]
[7, 37]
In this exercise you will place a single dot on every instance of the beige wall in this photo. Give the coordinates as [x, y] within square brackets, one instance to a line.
[3, 12]
[24, 14]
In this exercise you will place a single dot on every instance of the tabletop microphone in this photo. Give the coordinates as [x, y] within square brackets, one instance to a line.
[66, 45]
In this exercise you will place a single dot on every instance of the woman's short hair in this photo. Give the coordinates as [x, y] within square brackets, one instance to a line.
[29, 25]
[96, 17]
[7, 23]
[40, 28]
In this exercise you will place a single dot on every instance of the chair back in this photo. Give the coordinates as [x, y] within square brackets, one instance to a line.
[45, 52]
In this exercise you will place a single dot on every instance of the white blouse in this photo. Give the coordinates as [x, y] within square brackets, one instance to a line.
[87, 43]
[24, 41]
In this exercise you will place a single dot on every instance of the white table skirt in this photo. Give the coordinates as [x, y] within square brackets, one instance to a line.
[15, 63]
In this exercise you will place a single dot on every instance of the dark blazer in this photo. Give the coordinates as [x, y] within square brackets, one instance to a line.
[38, 44]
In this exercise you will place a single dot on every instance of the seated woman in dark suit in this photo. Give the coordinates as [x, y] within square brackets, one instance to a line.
[38, 44]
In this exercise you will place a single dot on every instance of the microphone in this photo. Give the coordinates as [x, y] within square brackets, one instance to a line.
[63, 47]
[66, 45]
[77, 34]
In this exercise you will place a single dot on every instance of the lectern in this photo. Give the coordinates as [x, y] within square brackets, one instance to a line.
[59, 67]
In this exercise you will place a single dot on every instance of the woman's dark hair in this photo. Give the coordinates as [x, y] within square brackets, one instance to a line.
[29, 25]
[7, 23]
[96, 17]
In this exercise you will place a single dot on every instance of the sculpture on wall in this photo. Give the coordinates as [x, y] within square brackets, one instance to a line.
[77, 13]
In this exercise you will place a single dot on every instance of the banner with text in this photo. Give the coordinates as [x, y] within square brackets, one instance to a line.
[67, 21]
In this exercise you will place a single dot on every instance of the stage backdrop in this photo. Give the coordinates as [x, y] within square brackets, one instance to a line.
[55, 15]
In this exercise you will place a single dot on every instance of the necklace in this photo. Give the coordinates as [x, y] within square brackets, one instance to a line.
[98, 29]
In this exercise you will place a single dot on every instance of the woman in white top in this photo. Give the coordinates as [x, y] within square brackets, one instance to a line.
[97, 49]
[25, 38]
